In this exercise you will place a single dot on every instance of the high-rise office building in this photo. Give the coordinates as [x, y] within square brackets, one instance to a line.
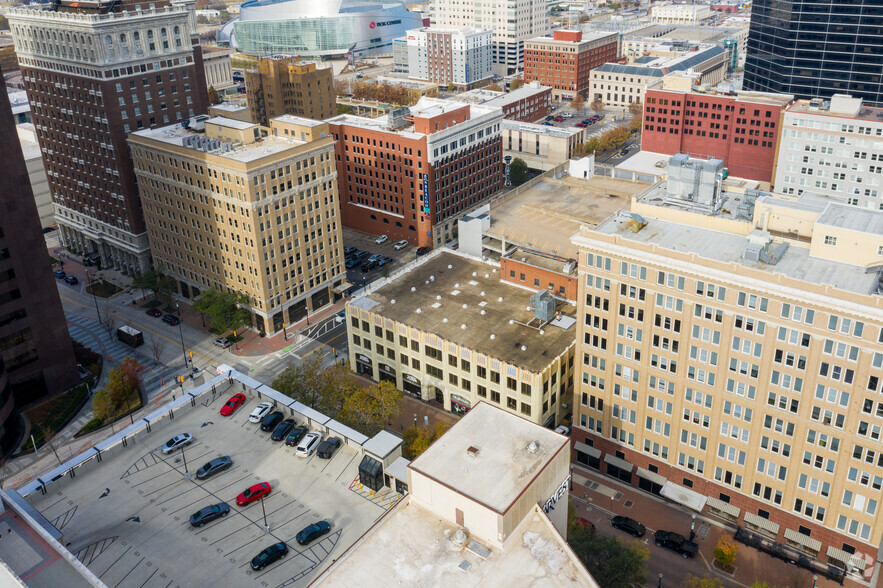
[449, 56]
[816, 48]
[34, 341]
[565, 60]
[265, 222]
[95, 72]
[289, 86]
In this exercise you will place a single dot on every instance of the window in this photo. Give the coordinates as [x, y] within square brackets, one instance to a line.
[830, 240]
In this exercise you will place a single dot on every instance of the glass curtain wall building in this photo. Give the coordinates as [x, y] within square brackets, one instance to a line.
[816, 48]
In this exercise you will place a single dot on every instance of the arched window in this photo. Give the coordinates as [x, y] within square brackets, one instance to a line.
[108, 40]
[411, 228]
[386, 221]
[162, 33]
[122, 37]
[149, 34]
[398, 224]
[373, 217]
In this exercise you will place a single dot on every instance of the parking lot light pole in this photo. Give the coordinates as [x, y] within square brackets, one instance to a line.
[184, 457]
[659, 585]
[94, 298]
[264, 509]
[181, 333]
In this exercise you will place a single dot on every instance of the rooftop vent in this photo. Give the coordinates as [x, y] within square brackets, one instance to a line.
[543, 305]
[413, 289]
[473, 451]
[493, 336]
[393, 301]
[533, 447]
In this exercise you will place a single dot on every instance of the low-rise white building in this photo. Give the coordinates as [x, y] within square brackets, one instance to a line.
[540, 147]
[682, 14]
[219, 69]
[450, 56]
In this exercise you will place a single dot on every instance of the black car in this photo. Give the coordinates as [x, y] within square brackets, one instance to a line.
[312, 532]
[72, 280]
[271, 420]
[367, 267]
[59, 274]
[209, 513]
[217, 465]
[349, 251]
[351, 263]
[269, 555]
[328, 447]
[384, 260]
[628, 525]
[677, 543]
[295, 435]
[423, 251]
[282, 429]
[171, 319]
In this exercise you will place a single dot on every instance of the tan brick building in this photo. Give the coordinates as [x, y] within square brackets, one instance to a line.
[730, 351]
[289, 86]
[247, 208]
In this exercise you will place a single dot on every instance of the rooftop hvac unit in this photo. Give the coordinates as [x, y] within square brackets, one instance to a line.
[543, 305]
[396, 119]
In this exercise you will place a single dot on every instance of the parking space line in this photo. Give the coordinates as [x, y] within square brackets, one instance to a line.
[149, 577]
[233, 532]
[115, 561]
[293, 519]
[148, 480]
[178, 481]
[127, 573]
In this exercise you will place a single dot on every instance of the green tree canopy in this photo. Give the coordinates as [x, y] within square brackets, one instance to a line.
[515, 84]
[223, 310]
[418, 439]
[597, 105]
[612, 562]
[213, 97]
[303, 382]
[578, 102]
[518, 171]
[368, 410]
[705, 581]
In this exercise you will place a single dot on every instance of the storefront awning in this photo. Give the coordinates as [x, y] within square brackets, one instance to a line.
[652, 476]
[725, 507]
[619, 463]
[839, 554]
[684, 496]
[801, 539]
[587, 449]
[342, 287]
[762, 523]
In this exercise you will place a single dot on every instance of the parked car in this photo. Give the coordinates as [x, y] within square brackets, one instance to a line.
[312, 532]
[176, 442]
[260, 411]
[154, 312]
[231, 405]
[423, 251]
[550, 117]
[308, 444]
[340, 317]
[587, 121]
[282, 430]
[384, 261]
[562, 430]
[381, 239]
[328, 448]
[271, 420]
[547, 124]
[349, 250]
[351, 263]
[585, 524]
[566, 115]
[677, 543]
[209, 513]
[558, 119]
[253, 493]
[581, 125]
[624, 151]
[295, 435]
[171, 319]
[215, 466]
[628, 525]
[272, 553]
[370, 265]
[59, 274]
[222, 342]
[375, 257]
[596, 117]
[400, 245]
[72, 280]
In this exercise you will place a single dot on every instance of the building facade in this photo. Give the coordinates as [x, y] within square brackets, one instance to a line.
[814, 49]
[832, 148]
[245, 208]
[410, 173]
[219, 70]
[450, 56]
[720, 361]
[459, 348]
[512, 21]
[94, 74]
[528, 103]
[742, 129]
[680, 14]
[289, 86]
[541, 147]
[565, 60]
[30, 150]
[34, 342]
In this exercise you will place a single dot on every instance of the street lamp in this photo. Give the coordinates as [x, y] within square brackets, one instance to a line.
[659, 585]
[264, 509]
[181, 333]
[814, 580]
[692, 527]
[94, 298]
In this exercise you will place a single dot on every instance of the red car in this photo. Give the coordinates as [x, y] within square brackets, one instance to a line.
[256, 492]
[558, 119]
[235, 402]
[154, 312]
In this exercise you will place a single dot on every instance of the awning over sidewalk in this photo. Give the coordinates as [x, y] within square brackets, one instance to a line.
[652, 476]
[619, 463]
[587, 449]
[801, 540]
[685, 496]
[849, 560]
[723, 507]
[342, 287]
[761, 523]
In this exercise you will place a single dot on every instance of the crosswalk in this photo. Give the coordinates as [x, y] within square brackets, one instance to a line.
[93, 335]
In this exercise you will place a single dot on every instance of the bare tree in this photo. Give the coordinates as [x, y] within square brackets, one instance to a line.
[4, 470]
[155, 347]
[48, 433]
[109, 321]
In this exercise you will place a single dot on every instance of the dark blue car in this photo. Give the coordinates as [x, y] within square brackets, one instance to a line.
[269, 555]
[313, 532]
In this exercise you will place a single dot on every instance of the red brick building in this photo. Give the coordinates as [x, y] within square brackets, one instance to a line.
[528, 103]
[412, 173]
[742, 129]
[564, 60]
[537, 270]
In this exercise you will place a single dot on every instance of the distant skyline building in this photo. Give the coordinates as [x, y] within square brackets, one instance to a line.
[565, 60]
[289, 86]
[93, 74]
[816, 48]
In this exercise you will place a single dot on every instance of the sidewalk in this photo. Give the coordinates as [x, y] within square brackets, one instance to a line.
[613, 496]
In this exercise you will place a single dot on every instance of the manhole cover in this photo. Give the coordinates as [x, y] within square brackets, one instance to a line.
[628, 503]
[703, 530]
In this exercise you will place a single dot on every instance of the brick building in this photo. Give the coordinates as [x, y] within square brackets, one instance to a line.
[535, 269]
[564, 60]
[412, 173]
[528, 103]
[289, 86]
[740, 128]
[94, 73]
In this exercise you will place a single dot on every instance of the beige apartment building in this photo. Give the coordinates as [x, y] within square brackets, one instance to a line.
[540, 147]
[289, 86]
[241, 207]
[448, 328]
[730, 348]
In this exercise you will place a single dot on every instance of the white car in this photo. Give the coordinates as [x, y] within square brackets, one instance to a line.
[340, 317]
[562, 430]
[381, 239]
[260, 411]
[176, 442]
[566, 115]
[401, 245]
[308, 444]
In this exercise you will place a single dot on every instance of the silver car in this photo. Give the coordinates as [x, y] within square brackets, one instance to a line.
[176, 442]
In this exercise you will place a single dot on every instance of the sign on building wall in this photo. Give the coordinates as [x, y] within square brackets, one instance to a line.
[561, 491]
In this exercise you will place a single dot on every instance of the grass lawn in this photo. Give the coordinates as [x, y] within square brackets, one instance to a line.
[103, 289]
[51, 414]
[152, 303]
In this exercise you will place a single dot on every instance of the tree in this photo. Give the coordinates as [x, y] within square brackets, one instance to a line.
[344, 109]
[132, 371]
[223, 310]
[518, 171]
[725, 551]
[303, 382]
[213, 97]
[418, 439]
[103, 408]
[636, 108]
[337, 385]
[48, 434]
[156, 281]
[4, 24]
[597, 105]
[515, 84]
[578, 102]
[492, 88]
[579, 150]
[761, 585]
[593, 145]
[108, 320]
[706, 581]
[155, 347]
[612, 562]
[368, 410]
[451, 87]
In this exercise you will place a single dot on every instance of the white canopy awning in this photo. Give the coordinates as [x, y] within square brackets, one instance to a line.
[724, 507]
[762, 523]
[802, 540]
[685, 496]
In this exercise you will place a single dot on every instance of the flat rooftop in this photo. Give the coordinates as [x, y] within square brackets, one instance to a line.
[229, 107]
[538, 259]
[231, 123]
[425, 107]
[504, 465]
[588, 36]
[851, 218]
[559, 132]
[299, 120]
[413, 547]
[450, 290]
[868, 113]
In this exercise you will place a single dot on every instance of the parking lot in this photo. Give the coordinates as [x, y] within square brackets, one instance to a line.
[365, 242]
[127, 517]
